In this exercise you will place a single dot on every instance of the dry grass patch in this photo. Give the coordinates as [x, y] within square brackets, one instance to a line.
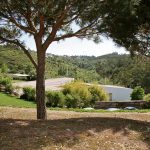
[19, 129]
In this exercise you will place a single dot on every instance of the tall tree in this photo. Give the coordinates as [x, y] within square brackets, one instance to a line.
[47, 21]
[127, 23]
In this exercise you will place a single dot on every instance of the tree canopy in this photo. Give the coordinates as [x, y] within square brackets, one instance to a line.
[128, 24]
[52, 20]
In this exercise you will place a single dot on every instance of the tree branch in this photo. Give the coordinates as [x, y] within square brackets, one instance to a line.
[12, 19]
[28, 17]
[79, 33]
[41, 31]
[27, 29]
[55, 28]
[76, 15]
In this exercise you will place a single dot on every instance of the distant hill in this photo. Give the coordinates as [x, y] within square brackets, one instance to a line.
[107, 69]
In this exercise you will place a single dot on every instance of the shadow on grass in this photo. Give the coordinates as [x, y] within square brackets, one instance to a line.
[32, 134]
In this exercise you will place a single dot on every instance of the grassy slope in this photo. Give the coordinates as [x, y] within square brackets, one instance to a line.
[6, 100]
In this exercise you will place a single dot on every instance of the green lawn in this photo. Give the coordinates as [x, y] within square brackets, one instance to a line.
[7, 100]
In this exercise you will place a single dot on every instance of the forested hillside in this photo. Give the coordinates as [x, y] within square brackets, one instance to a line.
[106, 69]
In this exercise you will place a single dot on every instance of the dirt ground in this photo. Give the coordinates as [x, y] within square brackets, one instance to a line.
[66, 130]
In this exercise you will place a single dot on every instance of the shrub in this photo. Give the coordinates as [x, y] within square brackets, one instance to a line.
[55, 99]
[4, 68]
[5, 83]
[58, 100]
[147, 97]
[49, 98]
[28, 94]
[137, 93]
[98, 94]
[70, 101]
[79, 94]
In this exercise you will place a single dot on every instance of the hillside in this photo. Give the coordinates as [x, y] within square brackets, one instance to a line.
[107, 69]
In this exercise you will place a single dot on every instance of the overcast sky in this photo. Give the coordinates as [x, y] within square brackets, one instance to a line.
[74, 46]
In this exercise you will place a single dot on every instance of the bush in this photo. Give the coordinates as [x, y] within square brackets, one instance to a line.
[137, 93]
[5, 83]
[98, 94]
[4, 80]
[49, 98]
[28, 94]
[78, 94]
[55, 99]
[147, 97]
[73, 101]
[70, 101]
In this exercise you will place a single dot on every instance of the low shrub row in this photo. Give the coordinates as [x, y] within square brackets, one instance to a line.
[73, 95]
[80, 95]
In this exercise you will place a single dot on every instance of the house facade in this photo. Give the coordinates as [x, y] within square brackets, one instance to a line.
[118, 93]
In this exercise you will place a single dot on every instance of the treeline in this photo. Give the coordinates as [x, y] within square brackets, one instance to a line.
[107, 69]
[56, 66]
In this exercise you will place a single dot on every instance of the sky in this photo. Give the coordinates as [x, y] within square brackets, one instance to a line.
[75, 46]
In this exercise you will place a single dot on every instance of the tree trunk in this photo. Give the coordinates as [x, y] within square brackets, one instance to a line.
[40, 86]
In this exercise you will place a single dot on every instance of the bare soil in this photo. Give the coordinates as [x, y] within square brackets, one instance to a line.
[66, 130]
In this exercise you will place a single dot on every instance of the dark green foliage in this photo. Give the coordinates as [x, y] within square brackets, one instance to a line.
[138, 93]
[127, 23]
[55, 99]
[49, 98]
[122, 70]
[72, 101]
[28, 94]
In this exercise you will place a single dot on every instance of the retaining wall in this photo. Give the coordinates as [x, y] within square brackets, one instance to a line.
[136, 103]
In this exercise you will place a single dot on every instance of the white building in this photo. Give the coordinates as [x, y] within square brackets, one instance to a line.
[118, 93]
